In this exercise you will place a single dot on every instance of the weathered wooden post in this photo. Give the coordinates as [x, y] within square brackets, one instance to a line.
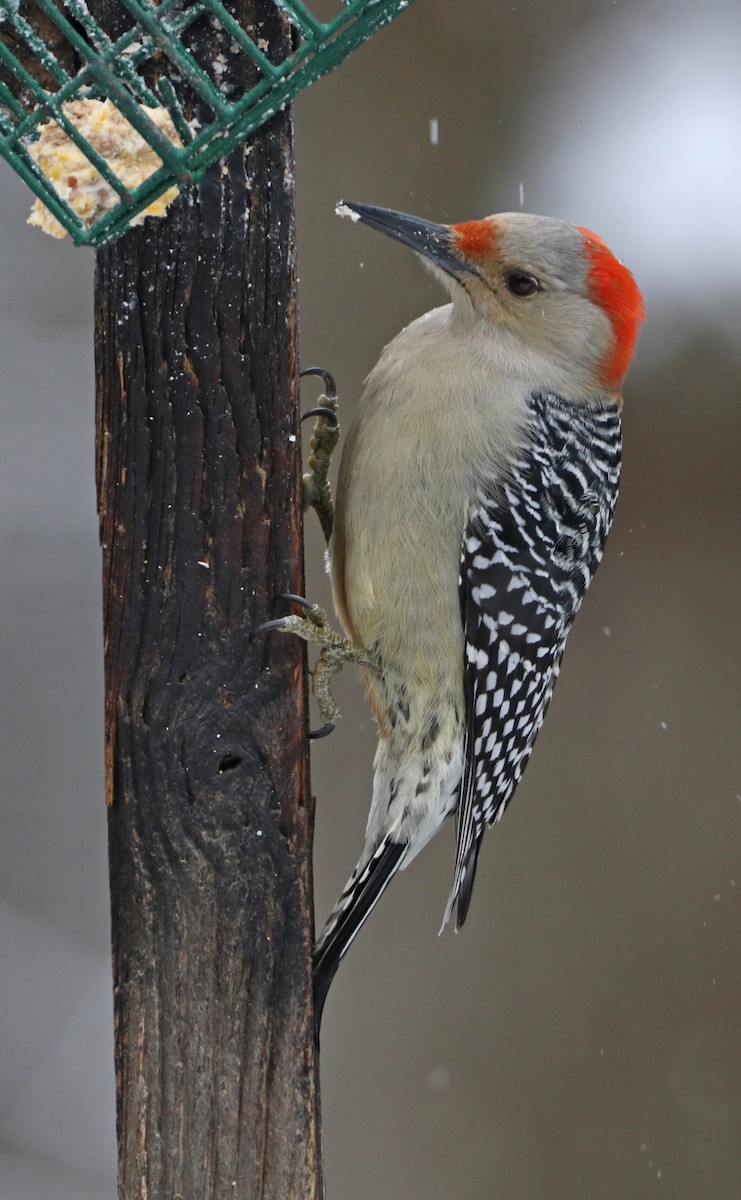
[198, 471]
[207, 769]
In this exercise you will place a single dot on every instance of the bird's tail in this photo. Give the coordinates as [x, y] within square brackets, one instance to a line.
[360, 896]
[463, 880]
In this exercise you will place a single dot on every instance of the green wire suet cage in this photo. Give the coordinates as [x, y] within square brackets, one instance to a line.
[152, 65]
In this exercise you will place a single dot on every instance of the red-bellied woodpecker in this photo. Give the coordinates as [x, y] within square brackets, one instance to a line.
[476, 490]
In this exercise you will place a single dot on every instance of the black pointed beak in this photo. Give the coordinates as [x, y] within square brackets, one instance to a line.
[436, 242]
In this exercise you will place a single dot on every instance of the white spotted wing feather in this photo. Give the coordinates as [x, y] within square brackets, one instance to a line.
[528, 557]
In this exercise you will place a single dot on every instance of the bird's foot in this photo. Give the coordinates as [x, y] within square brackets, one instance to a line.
[324, 438]
[314, 628]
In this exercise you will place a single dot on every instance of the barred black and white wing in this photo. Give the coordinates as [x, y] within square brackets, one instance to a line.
[528, 557]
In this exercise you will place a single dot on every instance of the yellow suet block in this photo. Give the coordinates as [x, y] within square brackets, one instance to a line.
[78, 182]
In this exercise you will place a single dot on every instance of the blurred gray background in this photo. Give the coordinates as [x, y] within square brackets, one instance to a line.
[581, 1038]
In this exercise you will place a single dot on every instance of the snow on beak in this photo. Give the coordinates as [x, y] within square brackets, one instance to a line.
[435, 242]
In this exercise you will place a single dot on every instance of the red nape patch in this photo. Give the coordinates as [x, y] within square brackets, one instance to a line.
[476, 239]
[614, 289]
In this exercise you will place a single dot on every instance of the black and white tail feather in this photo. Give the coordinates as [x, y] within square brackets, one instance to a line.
[359, 897]
[528, 556]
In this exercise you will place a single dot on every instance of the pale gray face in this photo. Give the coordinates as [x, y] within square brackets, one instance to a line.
[549, 251]
[528, 282]
[526, 278]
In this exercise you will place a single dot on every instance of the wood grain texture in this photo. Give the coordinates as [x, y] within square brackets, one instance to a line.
[210, 820]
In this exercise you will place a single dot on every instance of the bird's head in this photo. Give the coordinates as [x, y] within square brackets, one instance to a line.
[549, 292]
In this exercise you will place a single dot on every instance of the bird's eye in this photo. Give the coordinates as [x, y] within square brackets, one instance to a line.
[520, 283]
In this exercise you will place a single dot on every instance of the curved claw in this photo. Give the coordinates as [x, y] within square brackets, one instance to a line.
[293, 599]
[330, 386]
[329, 414]
[279, 621]
[265, 628]
[325, 731]
[317, 493]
